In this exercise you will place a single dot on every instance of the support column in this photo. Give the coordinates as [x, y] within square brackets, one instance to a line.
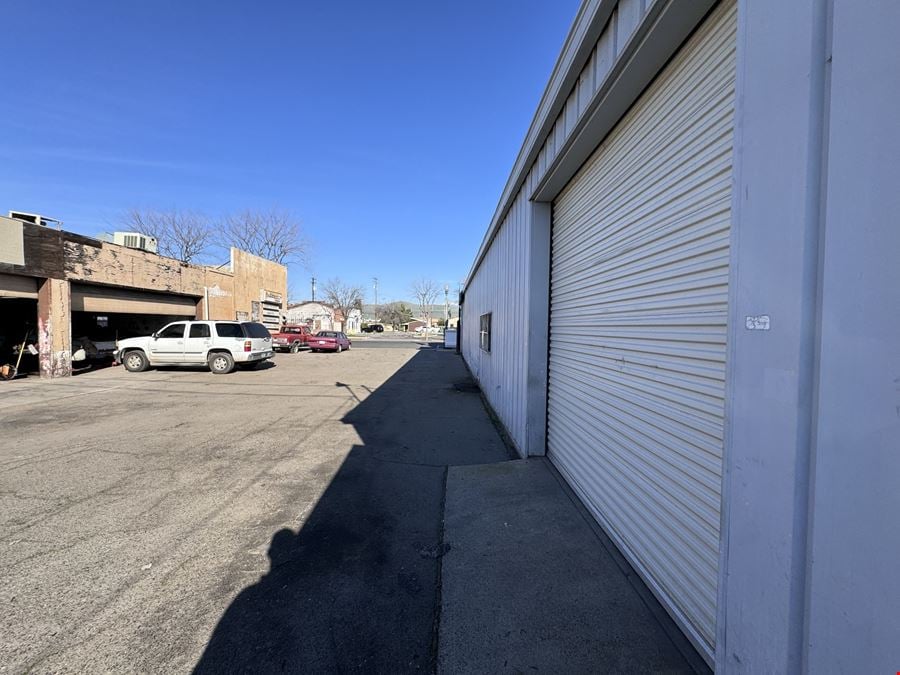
[538, 328]
[55, 328]
[770, 387]
[853, 620]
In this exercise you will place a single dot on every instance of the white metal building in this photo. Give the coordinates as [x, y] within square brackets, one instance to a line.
[687, 299]
[318, 315]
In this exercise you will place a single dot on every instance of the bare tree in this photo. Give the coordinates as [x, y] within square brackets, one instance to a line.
[425, 292]
[183, 235]
[343, 297]
[272, 234]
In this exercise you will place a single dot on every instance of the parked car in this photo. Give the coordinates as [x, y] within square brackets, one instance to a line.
[291, 338]
[221, 345]
[373, 328]
[329, 341]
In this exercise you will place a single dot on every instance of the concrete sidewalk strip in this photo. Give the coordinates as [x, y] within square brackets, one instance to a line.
[527, 586]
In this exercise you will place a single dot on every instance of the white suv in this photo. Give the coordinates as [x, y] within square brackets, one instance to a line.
[219, 344]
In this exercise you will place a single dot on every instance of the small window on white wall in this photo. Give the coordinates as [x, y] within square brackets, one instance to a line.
[485, 332]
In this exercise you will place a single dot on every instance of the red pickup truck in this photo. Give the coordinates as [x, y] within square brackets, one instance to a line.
[291, 338]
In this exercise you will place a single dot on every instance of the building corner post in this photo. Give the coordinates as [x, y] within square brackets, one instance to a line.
[770, 379]
[54, 328]
[538, 327]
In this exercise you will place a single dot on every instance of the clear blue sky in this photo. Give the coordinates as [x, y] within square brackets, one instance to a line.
[389, 128]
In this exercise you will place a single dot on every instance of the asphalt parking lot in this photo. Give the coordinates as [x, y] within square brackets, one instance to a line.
[285, 519]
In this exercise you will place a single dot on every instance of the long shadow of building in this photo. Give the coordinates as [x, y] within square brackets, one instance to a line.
[356, 588]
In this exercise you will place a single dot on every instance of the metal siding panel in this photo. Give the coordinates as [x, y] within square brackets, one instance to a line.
[571, 112]
[586, 86]
[559, 134]
[551, 147]
[606, 50]
[638, 313]
[629, 16]
[499, 286]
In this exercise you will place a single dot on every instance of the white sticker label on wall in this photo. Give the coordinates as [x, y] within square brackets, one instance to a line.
[760, 322]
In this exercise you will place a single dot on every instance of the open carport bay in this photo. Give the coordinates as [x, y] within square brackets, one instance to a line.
[110, 326]
[103, 314]
[18, 324]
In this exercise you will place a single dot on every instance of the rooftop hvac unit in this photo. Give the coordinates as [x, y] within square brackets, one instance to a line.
[35, 218]
[136, 240]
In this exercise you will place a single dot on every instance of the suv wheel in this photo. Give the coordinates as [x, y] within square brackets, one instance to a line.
[220, 363]
[135, 361]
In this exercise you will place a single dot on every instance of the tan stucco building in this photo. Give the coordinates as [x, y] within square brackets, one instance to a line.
[60, 286]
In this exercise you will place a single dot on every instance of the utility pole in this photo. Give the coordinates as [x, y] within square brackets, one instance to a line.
[446, 306]
[375, 284]
[313, 289]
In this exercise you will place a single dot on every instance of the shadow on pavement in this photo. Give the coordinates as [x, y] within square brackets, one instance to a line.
[357, 587]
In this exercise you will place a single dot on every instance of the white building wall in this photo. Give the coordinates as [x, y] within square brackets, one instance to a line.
[513, 282]
[353, 322]
[499, 287]
[319, 315]
[812, 446]
[619, 29]
[615, 27]
[853, 589]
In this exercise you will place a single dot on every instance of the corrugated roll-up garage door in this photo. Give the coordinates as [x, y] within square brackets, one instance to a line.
[86, 298]
[639, 289]
[12, 286]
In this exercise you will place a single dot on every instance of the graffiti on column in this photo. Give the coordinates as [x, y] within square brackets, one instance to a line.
[53, 363]
[45, 346]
